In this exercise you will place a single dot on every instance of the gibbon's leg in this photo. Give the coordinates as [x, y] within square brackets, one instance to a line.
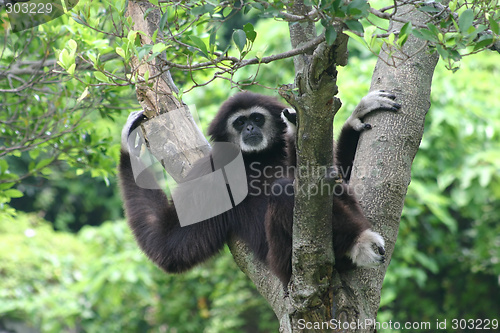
[352, 235]
[154, 221]
[279, 219]
[349, 136]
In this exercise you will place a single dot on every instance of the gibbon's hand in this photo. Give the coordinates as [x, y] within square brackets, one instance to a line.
[133, 120]
[374, 101]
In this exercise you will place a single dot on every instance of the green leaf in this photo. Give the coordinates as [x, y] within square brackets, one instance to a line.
[153, 38]
[4, 166]
[72, 45]
[355, 37]
[71, 69]
[34, 153]
[204, 9]
[249, 32]
[330, 35]
[358, 8]
[65, 59]
[455, 55]
[101, 76]
[433, 29]
[13, 193]
[227, 11]
[212, 40]
[368, 36]
[163, 20]
[494, 25]
[403, 34]
[78, 19]
[390, 39]
[200, 44]
[132, 34]
[84, 94]
[453, 5]
[154, 2]
[46, 171]
[120, 52]
[465, 20]
[160, 47]
[93, 58]
[248, 27]
[240, 39]
[406, 29]
[442, 52]
[144, 50]
[483, 42]
[43, 163]
[354, 25]
[5, 186]
[425, 35]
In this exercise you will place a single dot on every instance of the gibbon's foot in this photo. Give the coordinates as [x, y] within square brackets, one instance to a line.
[362, 253]
[374, 101]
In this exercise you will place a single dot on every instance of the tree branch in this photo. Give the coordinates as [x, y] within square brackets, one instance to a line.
[239, 64]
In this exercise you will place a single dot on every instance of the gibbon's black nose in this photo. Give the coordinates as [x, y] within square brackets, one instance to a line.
[250, 128]
[381, 250]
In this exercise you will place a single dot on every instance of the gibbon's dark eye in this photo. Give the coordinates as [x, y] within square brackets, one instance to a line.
[239, 122]
[257, 118]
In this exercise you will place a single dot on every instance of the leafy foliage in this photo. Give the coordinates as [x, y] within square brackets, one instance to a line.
[99, 281]
[49, 118]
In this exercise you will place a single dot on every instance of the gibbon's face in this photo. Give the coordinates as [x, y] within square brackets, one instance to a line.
[251, 129]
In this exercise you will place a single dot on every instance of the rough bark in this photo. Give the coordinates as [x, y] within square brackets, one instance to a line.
[160, 97]
[382, 169]
[173, 135]
[313, 99]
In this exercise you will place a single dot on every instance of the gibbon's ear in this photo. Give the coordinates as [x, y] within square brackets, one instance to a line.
[133, 120]
[289, 116]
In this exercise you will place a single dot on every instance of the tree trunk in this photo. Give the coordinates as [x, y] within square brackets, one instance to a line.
[173, 138]
[313, 99]
[382, 168]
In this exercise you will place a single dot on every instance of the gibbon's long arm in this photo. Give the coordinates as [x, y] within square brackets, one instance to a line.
[347, 143]
[155, 224]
